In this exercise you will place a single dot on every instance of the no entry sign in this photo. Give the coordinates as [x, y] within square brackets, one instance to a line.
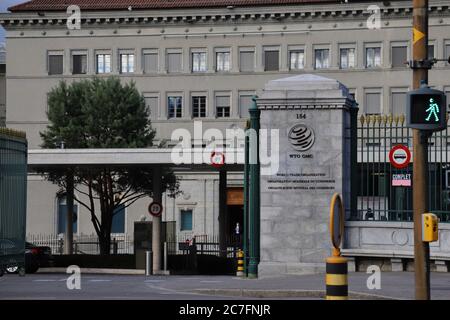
[155, 209]
[217, 159]
[400, 157]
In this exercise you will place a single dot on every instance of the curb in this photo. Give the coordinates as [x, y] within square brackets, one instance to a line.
[258, 293]
[95, 271]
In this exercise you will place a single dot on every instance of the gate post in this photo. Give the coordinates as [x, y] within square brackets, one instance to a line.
[254, 191]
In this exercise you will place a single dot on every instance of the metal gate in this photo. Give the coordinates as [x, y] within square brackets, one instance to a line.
[13, 179]
[377, 197]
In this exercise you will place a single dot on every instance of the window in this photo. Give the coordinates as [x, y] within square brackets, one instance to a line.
[271, 60]
[347, 58]
[62, 216]
[174, 63]
[103, 63]
[373, 103]
[247, 60]
[186, 220]
[223, 106]
[431, 51]
[447, 93]
[245, 102]
[198, 61]
[199, 106]
[79, 63]
[398, 103]
[150, 61]
[322, 58]
[175, 107]
[447, 51]
[223, 61]
[296, 59]
[373, 57]
[55, 64]
[399, 56]
[126, 63]
[152, 104]
[118, 220]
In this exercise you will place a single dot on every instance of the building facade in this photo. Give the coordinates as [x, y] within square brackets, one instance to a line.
[199, 61]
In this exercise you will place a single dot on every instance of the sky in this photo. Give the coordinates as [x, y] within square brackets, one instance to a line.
[4, 5]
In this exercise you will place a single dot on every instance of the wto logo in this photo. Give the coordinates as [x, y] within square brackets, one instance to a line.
[301, 137]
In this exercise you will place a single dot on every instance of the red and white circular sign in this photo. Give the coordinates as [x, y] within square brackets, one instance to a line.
[217, 159]
[400, 156]
[155, 209]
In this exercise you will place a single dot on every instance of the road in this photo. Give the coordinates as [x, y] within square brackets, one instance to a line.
[136, 287]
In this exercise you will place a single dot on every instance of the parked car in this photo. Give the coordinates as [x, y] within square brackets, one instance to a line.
[35, 257]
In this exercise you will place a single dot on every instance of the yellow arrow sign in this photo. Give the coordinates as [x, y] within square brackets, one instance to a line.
[417, 35]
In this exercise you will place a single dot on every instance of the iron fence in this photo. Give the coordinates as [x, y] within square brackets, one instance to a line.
[203, 244]
[384, 192]
[13, 186]
[83, 244]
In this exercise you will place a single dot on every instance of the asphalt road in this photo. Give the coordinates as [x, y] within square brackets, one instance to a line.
[137, 287]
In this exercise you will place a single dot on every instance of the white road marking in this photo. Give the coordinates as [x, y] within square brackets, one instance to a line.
[99, 280]
[45, 280]
[211, 281]
[154, 281]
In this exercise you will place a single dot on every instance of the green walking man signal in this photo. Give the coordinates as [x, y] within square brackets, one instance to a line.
[433, 110]
[426, 109]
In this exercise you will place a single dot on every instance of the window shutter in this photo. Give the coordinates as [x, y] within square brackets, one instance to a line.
[247, 61]
[373, 103]
[398, 103]
[271, 61]
[150, 63]
[55, 64]
[399, 56]
[245, 103]
[174, 62]
[152, 104]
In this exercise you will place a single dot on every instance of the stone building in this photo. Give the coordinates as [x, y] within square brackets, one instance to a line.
[203, 61]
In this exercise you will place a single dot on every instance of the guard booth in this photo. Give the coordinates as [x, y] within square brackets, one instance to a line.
[13, 178]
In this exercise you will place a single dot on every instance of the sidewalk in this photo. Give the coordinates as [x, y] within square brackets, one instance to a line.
[394, 285]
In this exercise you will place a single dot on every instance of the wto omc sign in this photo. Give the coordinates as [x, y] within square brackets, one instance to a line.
[301, 137]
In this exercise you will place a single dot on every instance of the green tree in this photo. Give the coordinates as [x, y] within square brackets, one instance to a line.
[102, 113]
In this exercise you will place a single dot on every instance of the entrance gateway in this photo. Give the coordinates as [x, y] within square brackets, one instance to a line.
[314, 117]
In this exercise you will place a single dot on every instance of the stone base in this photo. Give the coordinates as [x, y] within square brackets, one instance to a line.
[441, 266]
[274, 269]
[396, 265]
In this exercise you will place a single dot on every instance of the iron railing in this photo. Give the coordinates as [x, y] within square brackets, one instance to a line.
[204, 244]
[378, 199]
[83, 244]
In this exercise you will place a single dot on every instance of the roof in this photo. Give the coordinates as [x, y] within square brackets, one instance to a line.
[62, 5]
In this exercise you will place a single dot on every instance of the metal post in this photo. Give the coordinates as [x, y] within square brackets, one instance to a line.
[148, 263]
[223, 213]
[68, 249]
[254, 191]
[156, 222]
[420, 165]
[245, 224]
[165, 256]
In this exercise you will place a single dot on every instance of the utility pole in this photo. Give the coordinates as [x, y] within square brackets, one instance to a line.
[420, 145]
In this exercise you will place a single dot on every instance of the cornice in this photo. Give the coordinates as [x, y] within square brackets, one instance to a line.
[238, 15]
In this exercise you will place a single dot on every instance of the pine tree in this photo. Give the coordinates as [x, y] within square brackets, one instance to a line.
[102, 113]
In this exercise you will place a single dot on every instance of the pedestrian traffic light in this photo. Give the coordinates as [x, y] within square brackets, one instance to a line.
[426, 109]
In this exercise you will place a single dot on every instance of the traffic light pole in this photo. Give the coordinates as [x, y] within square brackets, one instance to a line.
[420, 164]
